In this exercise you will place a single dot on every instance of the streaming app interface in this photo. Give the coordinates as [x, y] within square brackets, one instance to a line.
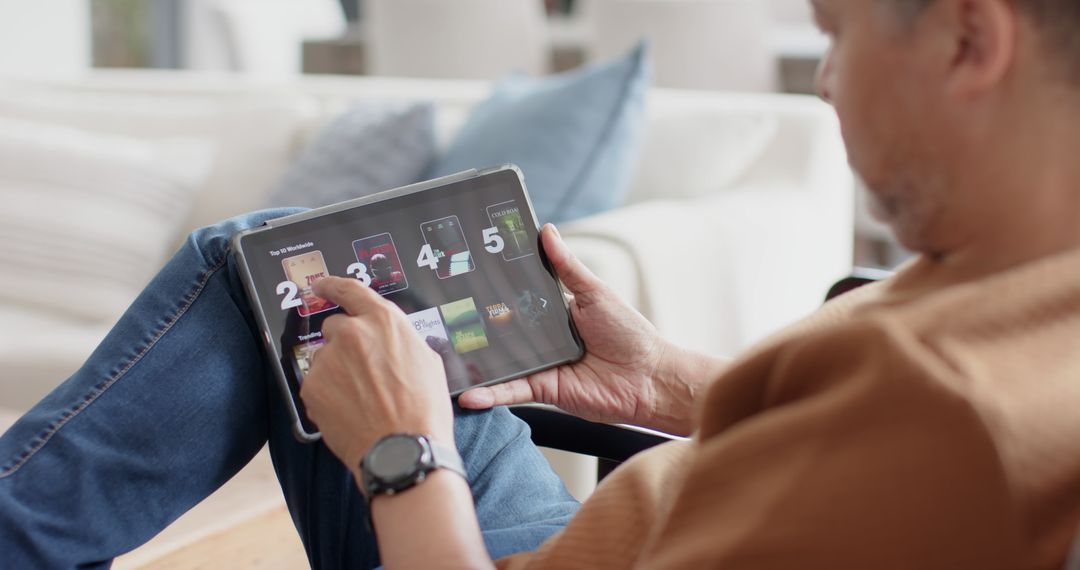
[461, 261]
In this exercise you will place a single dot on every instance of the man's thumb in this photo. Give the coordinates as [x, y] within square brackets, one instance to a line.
[577, 278]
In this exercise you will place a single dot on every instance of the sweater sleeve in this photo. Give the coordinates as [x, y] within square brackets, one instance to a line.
[865, 453]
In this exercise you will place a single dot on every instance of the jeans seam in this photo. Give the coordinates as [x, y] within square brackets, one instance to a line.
[39, 442]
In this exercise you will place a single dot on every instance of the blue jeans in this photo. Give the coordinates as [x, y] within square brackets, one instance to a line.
[178, 398]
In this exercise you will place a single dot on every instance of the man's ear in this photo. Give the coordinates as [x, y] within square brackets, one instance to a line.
[984, 45]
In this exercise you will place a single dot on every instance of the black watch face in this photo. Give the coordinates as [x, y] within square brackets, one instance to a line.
[395, 458]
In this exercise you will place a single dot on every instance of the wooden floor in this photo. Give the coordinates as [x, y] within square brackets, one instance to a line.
[244, 525]
[267, 542]
[227, 526]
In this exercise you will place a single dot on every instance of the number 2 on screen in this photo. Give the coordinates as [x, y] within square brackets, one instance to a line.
[290, 290]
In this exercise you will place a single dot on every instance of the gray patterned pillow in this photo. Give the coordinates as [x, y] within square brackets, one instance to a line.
[367, 149]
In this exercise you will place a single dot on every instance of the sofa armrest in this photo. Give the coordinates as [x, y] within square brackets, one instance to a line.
[649, 249]
[7, 419]
[718, 274]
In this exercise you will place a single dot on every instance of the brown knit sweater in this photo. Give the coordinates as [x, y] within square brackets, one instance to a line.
[906, 425]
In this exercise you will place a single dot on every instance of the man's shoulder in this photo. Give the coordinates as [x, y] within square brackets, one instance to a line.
[973, 344]
[863, 361]
[857, 425]
[876, 348]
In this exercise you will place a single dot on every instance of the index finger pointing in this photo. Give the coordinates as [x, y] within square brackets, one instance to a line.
[349, 294]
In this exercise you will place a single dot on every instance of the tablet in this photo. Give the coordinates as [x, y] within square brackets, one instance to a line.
[460, 255]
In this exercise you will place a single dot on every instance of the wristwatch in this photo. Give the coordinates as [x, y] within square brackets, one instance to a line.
[400, 461]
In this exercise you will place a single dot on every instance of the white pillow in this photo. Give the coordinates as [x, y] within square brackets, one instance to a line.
[255, 132]
[88, 218]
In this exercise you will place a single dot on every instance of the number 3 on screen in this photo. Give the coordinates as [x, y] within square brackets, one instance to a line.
[359, 271]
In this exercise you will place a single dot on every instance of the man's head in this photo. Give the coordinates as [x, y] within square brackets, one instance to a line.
[953, 111]
[1058, 22]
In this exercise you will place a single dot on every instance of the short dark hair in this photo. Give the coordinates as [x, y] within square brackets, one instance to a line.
[1059, 19]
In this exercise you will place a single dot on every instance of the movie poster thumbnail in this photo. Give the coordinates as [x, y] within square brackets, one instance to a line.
[464, 325]
[305, 355]
[447, 241]
[429, 326]
[533, 309]
[499, 318]
[507, 218]
[380, 259]
[304, 270]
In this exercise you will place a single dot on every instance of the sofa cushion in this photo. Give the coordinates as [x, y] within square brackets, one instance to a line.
[7, 419]
[88, 217]
[366, 149]
[39, 350]
[255, 132]
[575, 136]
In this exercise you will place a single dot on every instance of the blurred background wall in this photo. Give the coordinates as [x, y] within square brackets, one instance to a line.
[727, 45]
[774, 44]
[24, 27]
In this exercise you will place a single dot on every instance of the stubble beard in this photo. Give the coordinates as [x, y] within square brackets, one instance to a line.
[911, 205]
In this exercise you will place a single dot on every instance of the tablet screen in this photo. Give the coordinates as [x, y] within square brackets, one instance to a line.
[463, 261]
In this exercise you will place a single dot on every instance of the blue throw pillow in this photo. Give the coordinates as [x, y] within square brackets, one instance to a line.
[575, 135]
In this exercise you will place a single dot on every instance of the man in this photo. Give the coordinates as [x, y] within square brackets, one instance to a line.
[927, 422]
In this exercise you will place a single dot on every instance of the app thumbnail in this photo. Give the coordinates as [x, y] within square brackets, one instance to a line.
[429, 326]
[533, 309]
[304, 354]
[380, 258]
[465, 325]
[304, 270]
[499, 313]
[447, 242]
[499, 318]
[507, 218]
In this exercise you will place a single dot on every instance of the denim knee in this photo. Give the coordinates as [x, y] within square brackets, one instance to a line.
[212, 242]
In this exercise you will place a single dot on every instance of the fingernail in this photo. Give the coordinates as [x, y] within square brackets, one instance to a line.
[555, 229]
[466, 400]
[480, 398]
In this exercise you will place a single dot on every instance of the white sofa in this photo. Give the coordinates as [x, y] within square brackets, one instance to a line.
[739, 219]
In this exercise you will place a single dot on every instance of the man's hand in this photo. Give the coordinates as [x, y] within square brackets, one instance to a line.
[629, 374]
[374, 376]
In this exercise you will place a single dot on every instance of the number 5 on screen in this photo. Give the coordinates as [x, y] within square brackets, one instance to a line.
[493, 242]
